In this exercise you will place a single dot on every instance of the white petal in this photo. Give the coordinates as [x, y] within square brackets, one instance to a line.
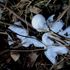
[46, 40]
[18, 23]
[50, 20]
[57, 26]
[33, 41]
[15, 56]
[38, 43]
[51, 55]
[39, 23]
[66, 31]
[60, 50]
[26, 42]
[18, 30]
[10, 41]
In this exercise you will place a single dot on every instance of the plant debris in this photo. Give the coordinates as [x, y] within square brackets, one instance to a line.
[34, 35]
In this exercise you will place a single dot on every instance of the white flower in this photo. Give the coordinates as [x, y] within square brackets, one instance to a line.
[39, 23]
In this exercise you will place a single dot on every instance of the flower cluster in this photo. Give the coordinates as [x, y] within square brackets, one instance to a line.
[51, 39]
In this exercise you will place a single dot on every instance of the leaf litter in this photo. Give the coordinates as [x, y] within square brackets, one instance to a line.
[34, 35]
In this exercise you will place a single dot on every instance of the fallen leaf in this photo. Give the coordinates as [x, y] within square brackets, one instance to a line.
[35, 10]
[33, 57]
[15, 56]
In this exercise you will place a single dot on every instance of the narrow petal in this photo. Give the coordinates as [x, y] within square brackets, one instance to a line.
[26, 42]
[10, 41]
[51, 55]
[18, 30]
[66, 32]
[50, 20]
[46, 40]
[60, 50]
[38, 43]
[57, 26]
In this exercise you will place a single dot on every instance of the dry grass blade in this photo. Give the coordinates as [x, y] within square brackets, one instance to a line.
[63, 13]
[57, 38]
[48, 3]
[14, 56]
[54, 66]
[16, 15]
[35, 50]
[5, 33]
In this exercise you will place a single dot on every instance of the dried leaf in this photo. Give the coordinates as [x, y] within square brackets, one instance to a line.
[33, 57]
[14, 56]
[34, 9]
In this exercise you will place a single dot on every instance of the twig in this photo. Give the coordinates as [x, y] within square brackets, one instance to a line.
[26, 15]
[16, 15]
[63, 13]
[12, 50]
[35, 50]
[4, 23]
[5, 51]
[57, 63]
[5, 33]
[54, 1]
[48, 3]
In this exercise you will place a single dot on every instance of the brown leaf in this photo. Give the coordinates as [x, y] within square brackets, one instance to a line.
[32, 57]
[35, 10]
[15, 56]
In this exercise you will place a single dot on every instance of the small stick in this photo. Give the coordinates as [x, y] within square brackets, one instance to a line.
[57, 63]
[48, 3]
[5, 33]
[63, 13]
[16, 15]
[28, 50]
